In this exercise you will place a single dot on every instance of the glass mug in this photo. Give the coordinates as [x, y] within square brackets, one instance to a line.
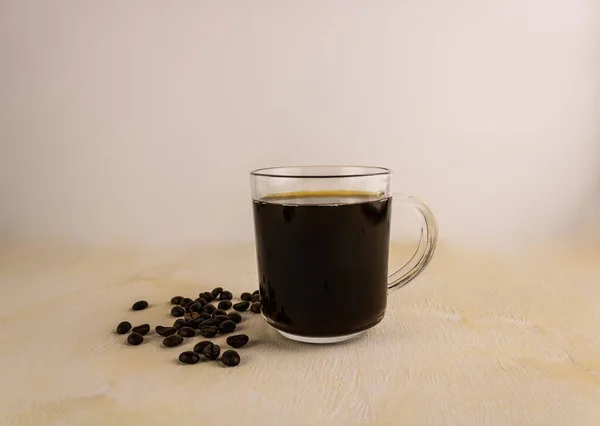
[322, 246]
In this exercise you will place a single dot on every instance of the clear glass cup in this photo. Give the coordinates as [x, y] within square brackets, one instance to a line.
[322, 244]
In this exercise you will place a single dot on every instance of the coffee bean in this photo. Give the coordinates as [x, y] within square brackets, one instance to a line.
[190, 316]
[195, 324]
[205, 316]
[139, 305]
[172, 341]
[219, 312]
[141, 329]
[165, 331]
[196, 307]
[246, 296]
[179, 323]
[189, 357]
[207, 295]
[216, 291]
[177, 311]
[176, 300]
[202, 301]
[238, 340]
[227, 326]
[241, 306]
[235, 317]
[209, 331]
[123, 327]
[256, 298]
[199, 348]
[186, 332]
[255, 307]
[185, 301]
[188, 306]
[220, 318]
[209, 322]
[135, 339]
[255, 292]
[230, 358]
[211, 351]
[226, 295]
[209, 308]
[224, 304]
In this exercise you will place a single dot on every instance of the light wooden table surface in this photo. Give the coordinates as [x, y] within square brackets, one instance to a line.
[479, 338]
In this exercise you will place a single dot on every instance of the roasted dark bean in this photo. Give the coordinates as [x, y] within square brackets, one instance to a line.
[189, 357]
[135, 339]
[165, 331]
[197, 307]
[202, 301]
[216, 291]
[255, 292]
[188, 306]
[238, 340]
[141, 329]
[195, 324]
[256, 298]
[176, 300]
[235, 317]
[209, 308]
[224, 304]
[186, 332]
[123, 327]
[220, 318]
[172, 341]
[219, 312]
[211, 351]
[246, 296]
[139, 305]
[185, 301]
[205, 316]
[208, 323]
[241, 306]
[226, 295]
[179, 323]
[255, 307]
[199, 348]
[177, 311]
[227, 326]
[230, 358]
[209, 331]
[207, 295]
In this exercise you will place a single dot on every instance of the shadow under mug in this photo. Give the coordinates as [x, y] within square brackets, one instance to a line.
[322, 245]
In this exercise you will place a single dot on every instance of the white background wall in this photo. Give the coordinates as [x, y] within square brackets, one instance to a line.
[137, 121]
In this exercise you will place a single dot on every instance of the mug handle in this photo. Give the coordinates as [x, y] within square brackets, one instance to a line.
[426, 247]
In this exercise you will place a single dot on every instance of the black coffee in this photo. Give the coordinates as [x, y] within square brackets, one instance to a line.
[323, 261]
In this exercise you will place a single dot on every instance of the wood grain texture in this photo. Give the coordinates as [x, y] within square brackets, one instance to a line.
[479, 338]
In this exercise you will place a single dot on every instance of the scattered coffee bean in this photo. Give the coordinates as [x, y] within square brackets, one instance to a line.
[165, 331]
[220, 318]
[255, 307]
[209, 308]
[141, 329]
[197, 307]
[179, 323]
[230, 358]
[186, 332]
[123, 327]
[209, 331]
[207, 295]
[226, 295]
[224, 304]
[202, 301]
[195, 324]
[255, 292]
[199, 348]
[176, 300]
[189, 357]
[246, 296]
[256, 297]
[188, 306]
[139, 305]
[185, 301]
[177, 311]
[218, 312]
[238, 340]
[205, 316]
[227, 326]
[172, 341]
[211, 351]
[190, 316]
[216, 292]
[135, 339]
[209, 322]
[235, 317]
[241, 306]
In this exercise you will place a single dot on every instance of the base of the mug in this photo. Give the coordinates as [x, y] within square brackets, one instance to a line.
[320, 340]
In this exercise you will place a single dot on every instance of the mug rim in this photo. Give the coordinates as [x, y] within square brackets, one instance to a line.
[321, 172]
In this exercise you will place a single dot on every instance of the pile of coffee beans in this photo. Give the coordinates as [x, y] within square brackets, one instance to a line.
[201, 317]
